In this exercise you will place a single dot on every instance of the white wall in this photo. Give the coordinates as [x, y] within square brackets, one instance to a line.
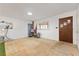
[78, 26]
[52, 32]
[20, 28]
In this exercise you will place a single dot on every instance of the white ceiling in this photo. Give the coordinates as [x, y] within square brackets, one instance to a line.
[39, 10]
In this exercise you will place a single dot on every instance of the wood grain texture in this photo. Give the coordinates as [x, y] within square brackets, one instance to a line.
[39, 47]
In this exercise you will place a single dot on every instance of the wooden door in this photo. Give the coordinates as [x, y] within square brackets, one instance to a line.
[66, 29]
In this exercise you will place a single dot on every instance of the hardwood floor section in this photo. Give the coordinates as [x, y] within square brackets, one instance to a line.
[39, 47]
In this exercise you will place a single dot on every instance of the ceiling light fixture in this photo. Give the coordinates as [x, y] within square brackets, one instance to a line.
[29, 13]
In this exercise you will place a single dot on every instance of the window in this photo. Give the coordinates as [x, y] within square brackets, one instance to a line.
[43, 26]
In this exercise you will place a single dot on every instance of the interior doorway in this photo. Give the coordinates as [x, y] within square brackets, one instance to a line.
[66, 29]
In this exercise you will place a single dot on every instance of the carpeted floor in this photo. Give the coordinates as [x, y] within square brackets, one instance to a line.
[39, 47]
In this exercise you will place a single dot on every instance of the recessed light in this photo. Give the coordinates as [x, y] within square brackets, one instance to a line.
[29, 13]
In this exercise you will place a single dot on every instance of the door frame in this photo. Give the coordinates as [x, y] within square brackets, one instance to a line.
[72, 26]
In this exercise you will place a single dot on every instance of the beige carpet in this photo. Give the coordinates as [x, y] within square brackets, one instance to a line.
[39, 47]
